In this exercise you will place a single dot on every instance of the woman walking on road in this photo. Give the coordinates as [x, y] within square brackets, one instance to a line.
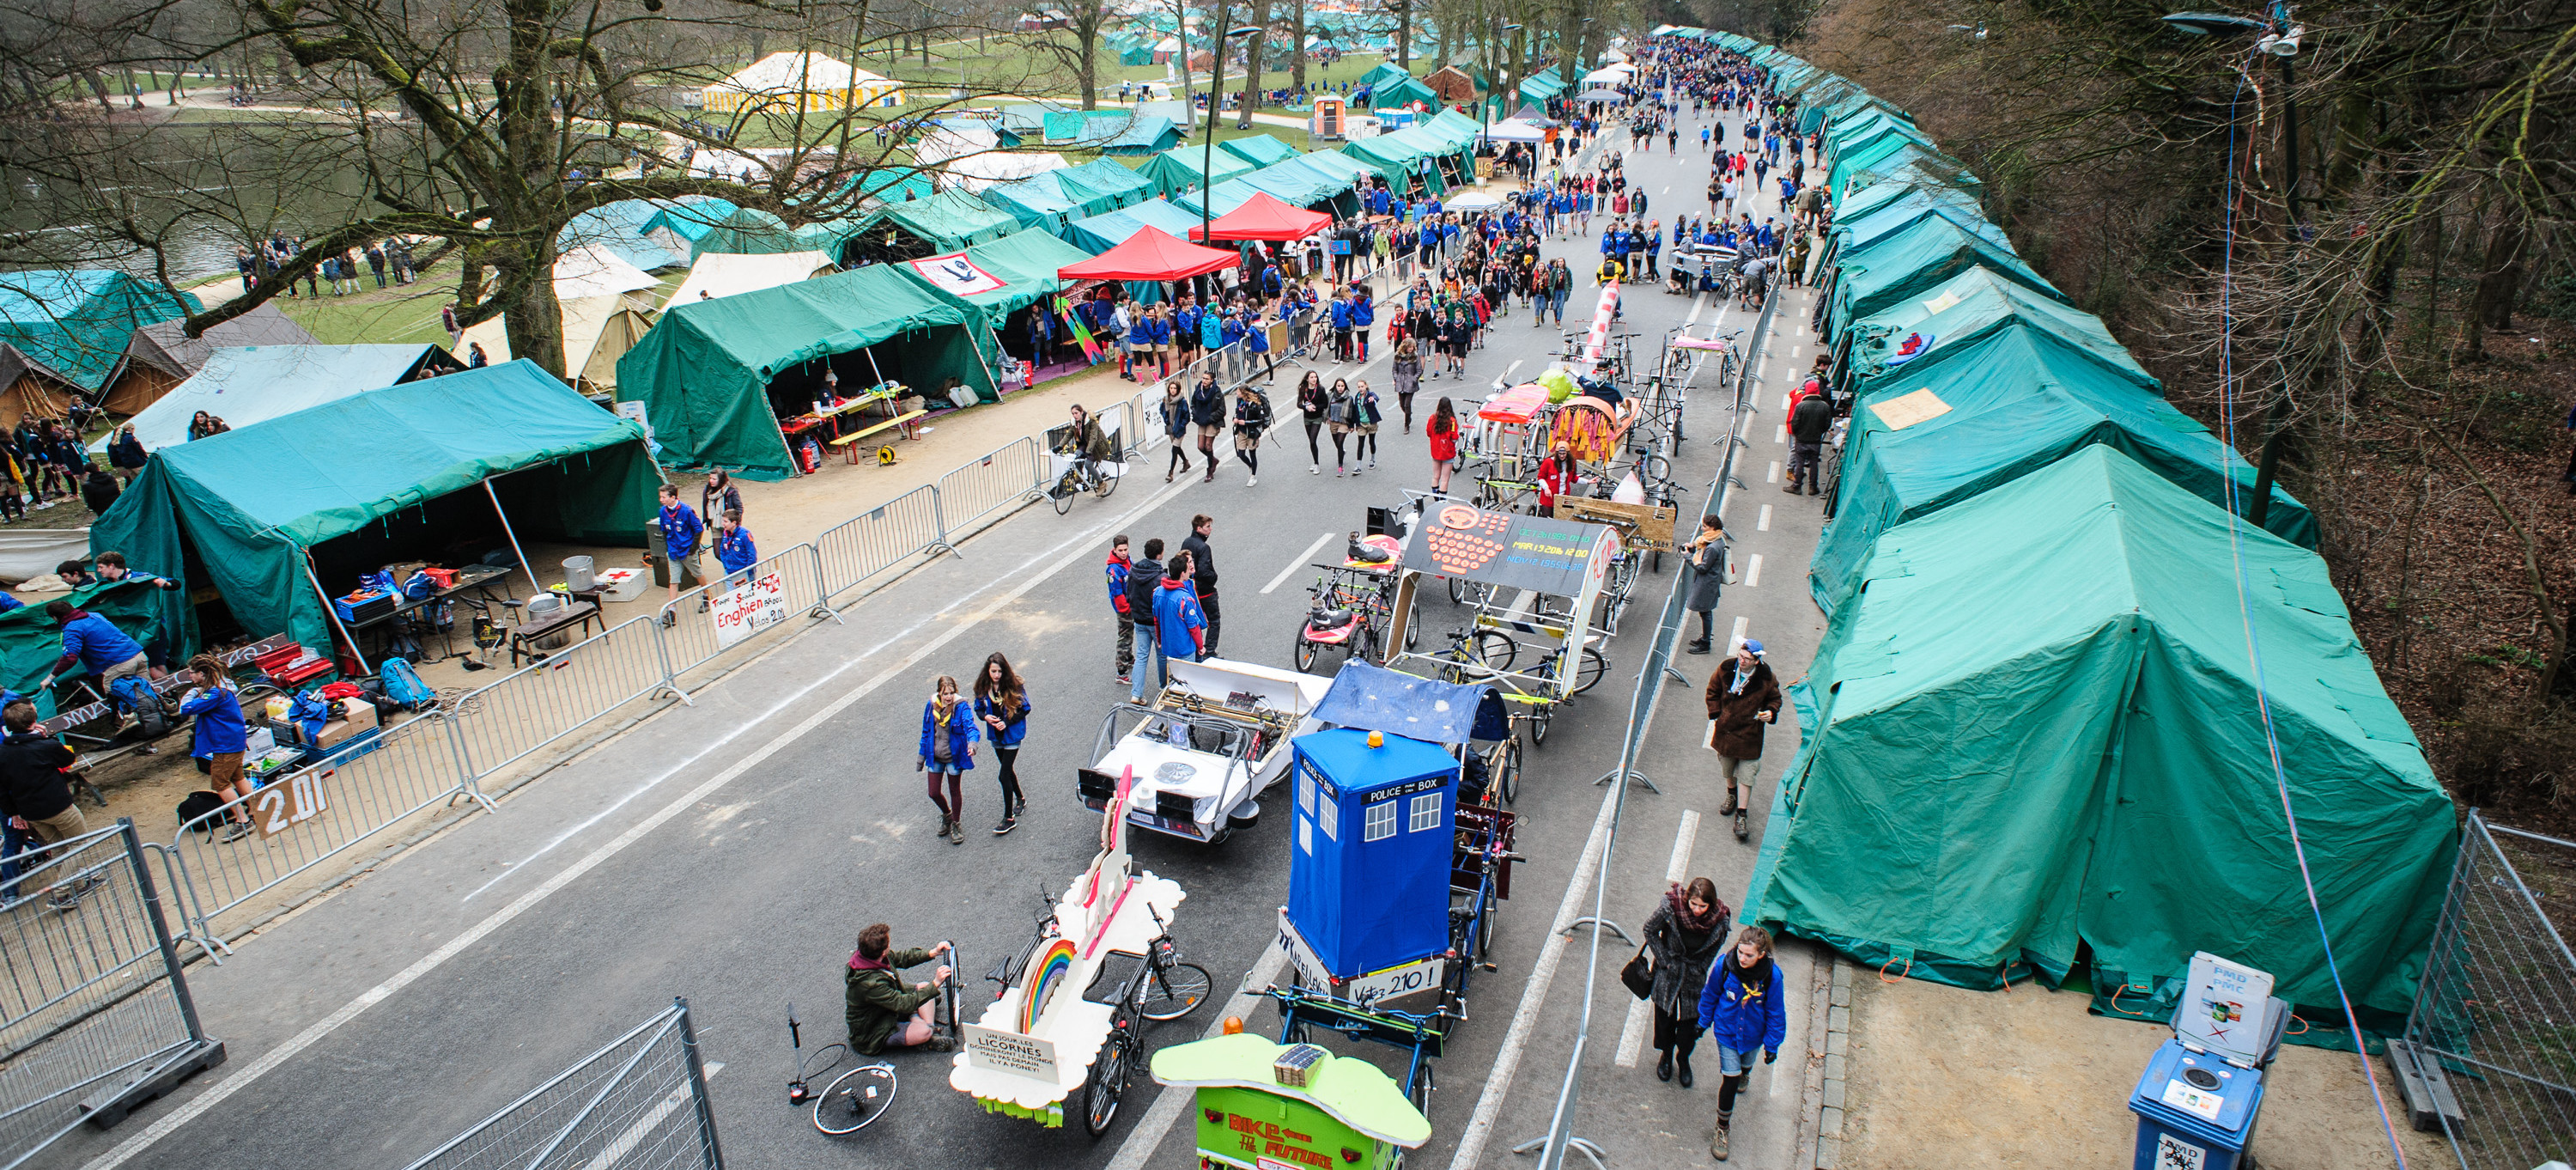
[1741, 1008]
[1408, 378]
[947, 750]
[1207, 410]
[1743, 699]
[1365, 416]
[1176, 424]
[1251, 417]
[1685, 934]
[1002, 706]
[1441, 429]
[1337, 412]
[1312, 401]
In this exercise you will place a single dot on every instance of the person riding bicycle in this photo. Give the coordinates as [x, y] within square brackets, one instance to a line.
[1087, 443]
[881, 1012]
[1755, 273]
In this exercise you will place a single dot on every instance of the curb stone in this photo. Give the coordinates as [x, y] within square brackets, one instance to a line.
[1837, 1069]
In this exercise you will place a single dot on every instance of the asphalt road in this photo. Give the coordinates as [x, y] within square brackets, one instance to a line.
[729, 851]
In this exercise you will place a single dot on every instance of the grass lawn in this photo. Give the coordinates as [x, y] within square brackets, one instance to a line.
[1018, 64]
[394, 315]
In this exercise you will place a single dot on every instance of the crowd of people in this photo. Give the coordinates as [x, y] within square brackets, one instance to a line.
[388, 260]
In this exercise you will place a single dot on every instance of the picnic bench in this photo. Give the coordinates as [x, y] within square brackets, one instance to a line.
[848, 442]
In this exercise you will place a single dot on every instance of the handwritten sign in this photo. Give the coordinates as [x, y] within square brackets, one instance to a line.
[748, 608]
[1009, 1052]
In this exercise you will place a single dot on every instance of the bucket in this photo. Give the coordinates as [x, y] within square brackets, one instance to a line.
[544, 605]
[578, 576]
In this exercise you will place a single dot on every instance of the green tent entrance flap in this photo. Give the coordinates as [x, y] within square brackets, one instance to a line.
[2006, 404]
[715, 376]
[239, 511]
[2093, 772]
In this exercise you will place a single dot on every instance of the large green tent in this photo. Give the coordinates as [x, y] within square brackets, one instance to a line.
[705, 373]
[1027, 261]
[30, 642]
[945, 222]
[345, 482]
[1403, 93]
[1859, 232]
[1541, 86]
[76, 322]
[1105, 185]
[1956, 312]
[686, 218]
[1041, 201]
[1260, 150]
[1191, 167]
[2006, 402]
[1386, 72]
[1878, 195]
[2093, 771]
[1890, 156]
[1927, 252]
[743, 231]
[1297, 182]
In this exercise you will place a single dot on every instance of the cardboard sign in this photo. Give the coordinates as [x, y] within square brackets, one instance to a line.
[1552, 556]
[956, 275]
[748, 608]
[290, 802]
[998, 1051]
[1908, 409]
[2226, 1010]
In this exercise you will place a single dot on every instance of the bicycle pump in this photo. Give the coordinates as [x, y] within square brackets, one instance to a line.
[797, 1093]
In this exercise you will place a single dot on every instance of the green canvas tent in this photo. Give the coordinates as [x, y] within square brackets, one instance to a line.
[1403, 93]
[745, 231]
[689, 218]
[1975, 796]
[76, 322]
[1890, 156]
[1958, 311]
[1105, 186]
[1039, 201]
[2007, 401]
[1260, 150]
[1145, 134]
[1878, 195]
[1189, 168]
[1540, 87]
[1928, 251]
[946, 222]
[622, 229]
[1385, 72]
[368, 479]
[716, 376]
[1860, 232]
[1297, 182]
[30, 642]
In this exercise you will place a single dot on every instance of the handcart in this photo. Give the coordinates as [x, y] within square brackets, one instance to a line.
[1068, 1022]
[1202, 754]
[1351, 607]
[1535, 585]
[1263, 1105]
[1393, 888]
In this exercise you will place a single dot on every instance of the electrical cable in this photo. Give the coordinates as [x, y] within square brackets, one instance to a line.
[2245, 614]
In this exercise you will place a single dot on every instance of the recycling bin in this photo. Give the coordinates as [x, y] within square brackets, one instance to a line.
[2195, 1111]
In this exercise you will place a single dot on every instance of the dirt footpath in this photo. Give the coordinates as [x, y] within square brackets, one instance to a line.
[2029, 1079]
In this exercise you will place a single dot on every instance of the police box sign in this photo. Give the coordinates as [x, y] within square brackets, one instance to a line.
[995, 1050]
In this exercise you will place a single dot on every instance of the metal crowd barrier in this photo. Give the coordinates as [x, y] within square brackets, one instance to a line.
[501, 723]
[1013, 475]
[886, 537]
[783, 585]
[638, 1104]
[94, 1009]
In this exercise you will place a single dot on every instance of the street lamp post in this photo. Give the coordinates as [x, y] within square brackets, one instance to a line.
[2280, 38]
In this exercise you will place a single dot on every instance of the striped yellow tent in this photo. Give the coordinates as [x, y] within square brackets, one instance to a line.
[801, 82]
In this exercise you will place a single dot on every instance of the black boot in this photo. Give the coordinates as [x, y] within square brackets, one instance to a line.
[1664, 1066]
[1684, 1062]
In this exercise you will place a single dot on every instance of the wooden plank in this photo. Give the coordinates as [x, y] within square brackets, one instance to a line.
[1641, 526]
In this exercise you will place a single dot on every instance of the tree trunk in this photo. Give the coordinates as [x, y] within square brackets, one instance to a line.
[1297, 29]
[1404, 35]
[534, 324]
[1252, 50]
[2500, 278]
[1086, 41]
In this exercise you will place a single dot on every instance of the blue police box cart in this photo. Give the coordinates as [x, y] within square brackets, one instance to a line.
[1381, 935]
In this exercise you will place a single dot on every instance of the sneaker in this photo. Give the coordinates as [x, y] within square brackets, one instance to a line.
[1697, 648]
[1125, 681]
[1004, 826]
[62, 903]
[1337, 472]
[1355, 473]
[1312, 469]
[1252, 481]
[236, 830]
[940, 1041]
[1717, 1142]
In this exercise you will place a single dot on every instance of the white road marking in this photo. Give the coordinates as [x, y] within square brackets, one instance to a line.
[1633, 1033]
[1507, 1060]
[1302, 559]
[1774, 477]
[1141, 1142]
[1784, 402]
[1075, 548]
[1735, 637]
[1783, 436]
[1753, 571]
[1516, 364]
[1666, 191]
[1763, 523]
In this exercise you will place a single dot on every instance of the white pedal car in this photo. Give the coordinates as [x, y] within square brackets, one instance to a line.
[1206, 747]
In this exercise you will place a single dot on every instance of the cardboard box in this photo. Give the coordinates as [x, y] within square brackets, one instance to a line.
[355, 716]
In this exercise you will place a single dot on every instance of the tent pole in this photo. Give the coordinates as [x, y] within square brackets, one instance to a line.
[331, 613]
[533, 586]
[871, 351]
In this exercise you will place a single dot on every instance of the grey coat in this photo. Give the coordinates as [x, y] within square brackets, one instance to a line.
[1682, 957]
[1708, 577]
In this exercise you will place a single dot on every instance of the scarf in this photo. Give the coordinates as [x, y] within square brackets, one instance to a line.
[1677, 900]
[943, 706]
[1755, 980]
[1743, 675]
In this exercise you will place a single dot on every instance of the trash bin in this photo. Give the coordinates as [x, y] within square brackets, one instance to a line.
[578, 576]
[2195, 1111]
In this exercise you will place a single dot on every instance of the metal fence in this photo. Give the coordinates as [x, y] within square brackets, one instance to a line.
[94, 1010]
[638, 1104]
[2490, 1047]
[890, 536]
[1013, 475]
[500, 723]
[783, 585]
[360, 789]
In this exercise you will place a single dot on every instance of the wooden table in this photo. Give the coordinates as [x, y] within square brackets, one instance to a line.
[525, 634]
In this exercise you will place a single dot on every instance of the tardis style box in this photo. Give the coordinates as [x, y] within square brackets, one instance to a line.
[1368, 874]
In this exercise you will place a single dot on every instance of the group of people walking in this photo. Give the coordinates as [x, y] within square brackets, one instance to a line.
[388, 260]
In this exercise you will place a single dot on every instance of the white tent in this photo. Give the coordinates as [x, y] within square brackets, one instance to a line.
[975, 172]
[725, 274]
[594, 271]
[253, 383]
[1472, 201]
[1614, 75]
[1515, 130]
[942, 141]
[597, 330]
[801, 81]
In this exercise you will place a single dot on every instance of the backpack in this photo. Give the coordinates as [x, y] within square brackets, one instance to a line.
[134, 693]
[403, 685]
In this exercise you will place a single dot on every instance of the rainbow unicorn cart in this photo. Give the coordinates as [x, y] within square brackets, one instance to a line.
[1265, 1106]
[1067, 1027]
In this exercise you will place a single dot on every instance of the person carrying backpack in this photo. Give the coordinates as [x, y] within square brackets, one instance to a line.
[217, 739]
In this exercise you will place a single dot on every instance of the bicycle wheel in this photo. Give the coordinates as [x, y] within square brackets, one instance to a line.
[854, 1099]
[1538, 726]
[1174, 991]
[1588, 674]
[1107, 1084]
[1108, 484]
[1420, 1093]
[1064, 491]
[1304, 655]
[1510, 779]
[1656, 468]
[1412, 636]
[1493, 649]
[1457, 591]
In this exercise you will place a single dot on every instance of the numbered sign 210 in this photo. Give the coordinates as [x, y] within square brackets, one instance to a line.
[290, 802]
[750, 607]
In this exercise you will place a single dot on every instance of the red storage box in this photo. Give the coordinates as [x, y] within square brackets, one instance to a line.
[294, 674]
[275, 660]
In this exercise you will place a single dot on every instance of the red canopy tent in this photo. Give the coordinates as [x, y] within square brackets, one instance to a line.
[1151, 254]
[1264, 217]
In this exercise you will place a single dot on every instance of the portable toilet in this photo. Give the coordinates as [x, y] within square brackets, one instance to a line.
[1368, 873]
[1326, 122]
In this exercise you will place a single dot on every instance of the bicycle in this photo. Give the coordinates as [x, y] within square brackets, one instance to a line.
[855, 1099]
[1083, 476]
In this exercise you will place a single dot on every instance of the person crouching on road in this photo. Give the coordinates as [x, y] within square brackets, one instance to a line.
[879, 1010]
[947, 750]
[1742, 1011]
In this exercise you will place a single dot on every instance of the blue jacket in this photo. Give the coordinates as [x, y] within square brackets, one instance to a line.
[680, 530]
[1178, 619]
[1116, 570]
[1229, 330]
[961, 732]
[1012, 730]
[1613, 241]
[1256, 339]
[1158, 330]
[1363, 313]
[735, 551]
[1185, 322]
[1740, 1021]
[219, 721]
[95, 642]
[1341, 313]
[1212, 330]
